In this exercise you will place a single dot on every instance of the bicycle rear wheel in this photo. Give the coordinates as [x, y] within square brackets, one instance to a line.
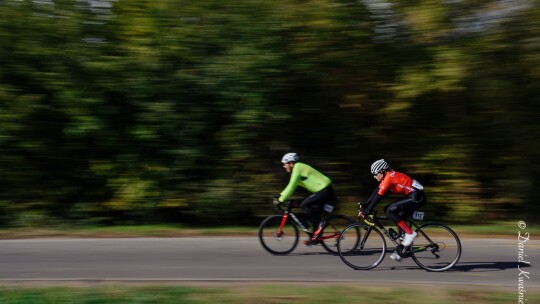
[436, 248]
[331, 233]
[364, 252]
[276, 241]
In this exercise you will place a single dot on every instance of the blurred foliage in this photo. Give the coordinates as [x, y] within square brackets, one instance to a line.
[179, 111]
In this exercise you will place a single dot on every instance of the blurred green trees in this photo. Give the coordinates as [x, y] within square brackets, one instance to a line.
[143, 111]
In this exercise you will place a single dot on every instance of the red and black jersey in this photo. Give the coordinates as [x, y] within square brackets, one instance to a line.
[398, 183]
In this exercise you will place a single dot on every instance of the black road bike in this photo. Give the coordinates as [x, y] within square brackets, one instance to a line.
[279, 233]
[436, 248]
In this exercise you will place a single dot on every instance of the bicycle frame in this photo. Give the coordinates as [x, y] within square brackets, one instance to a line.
[296, 221]
[287, 212]
[374, 222]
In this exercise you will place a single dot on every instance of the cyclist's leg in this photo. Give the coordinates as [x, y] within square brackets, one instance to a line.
[400, 210]
[312, 204]
[418, 201]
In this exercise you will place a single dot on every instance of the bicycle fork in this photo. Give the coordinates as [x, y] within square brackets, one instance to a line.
[283, 221]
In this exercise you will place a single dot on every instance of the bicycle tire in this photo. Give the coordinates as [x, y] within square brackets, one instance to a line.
[436, 248]
[278, 244]
[365, 252]
[331, 233]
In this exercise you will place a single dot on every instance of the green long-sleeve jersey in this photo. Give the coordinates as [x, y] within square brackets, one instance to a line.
[307, 177]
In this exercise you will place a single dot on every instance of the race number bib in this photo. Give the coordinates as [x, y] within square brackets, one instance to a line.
[418, 215]
[328, 208]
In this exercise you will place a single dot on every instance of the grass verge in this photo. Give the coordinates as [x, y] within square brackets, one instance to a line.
[261, 294]
[503, 229]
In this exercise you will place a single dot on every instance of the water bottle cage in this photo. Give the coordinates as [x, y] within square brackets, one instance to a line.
[394, 235]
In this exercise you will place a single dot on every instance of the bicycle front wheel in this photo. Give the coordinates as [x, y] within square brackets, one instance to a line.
[275, 239]
[364, 251]
[332, 231]
[436, 248]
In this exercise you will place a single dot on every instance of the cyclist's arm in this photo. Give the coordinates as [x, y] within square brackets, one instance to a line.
[379, 192]
[366, 204]
[293, 183]
[373, 201]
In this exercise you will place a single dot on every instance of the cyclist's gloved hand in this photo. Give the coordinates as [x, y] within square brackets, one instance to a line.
[363, 213]
[275, 200]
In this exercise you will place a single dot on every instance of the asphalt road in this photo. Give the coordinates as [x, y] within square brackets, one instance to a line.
[242, 259]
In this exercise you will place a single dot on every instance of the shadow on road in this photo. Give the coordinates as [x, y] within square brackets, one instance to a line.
[463, 267]
[487, 266]
[312, 253]
[472, 266]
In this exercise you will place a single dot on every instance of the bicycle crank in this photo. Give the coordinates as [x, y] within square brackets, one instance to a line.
[403, 252]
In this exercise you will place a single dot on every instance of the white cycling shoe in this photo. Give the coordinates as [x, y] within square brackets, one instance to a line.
[396, 257]
[408, 239]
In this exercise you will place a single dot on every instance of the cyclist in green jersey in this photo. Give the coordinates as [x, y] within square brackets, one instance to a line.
[315, 182]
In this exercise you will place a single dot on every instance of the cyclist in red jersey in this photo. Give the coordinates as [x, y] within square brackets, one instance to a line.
[400, 210]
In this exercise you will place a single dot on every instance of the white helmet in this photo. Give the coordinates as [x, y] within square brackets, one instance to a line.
[290, 157]
[378, 166]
